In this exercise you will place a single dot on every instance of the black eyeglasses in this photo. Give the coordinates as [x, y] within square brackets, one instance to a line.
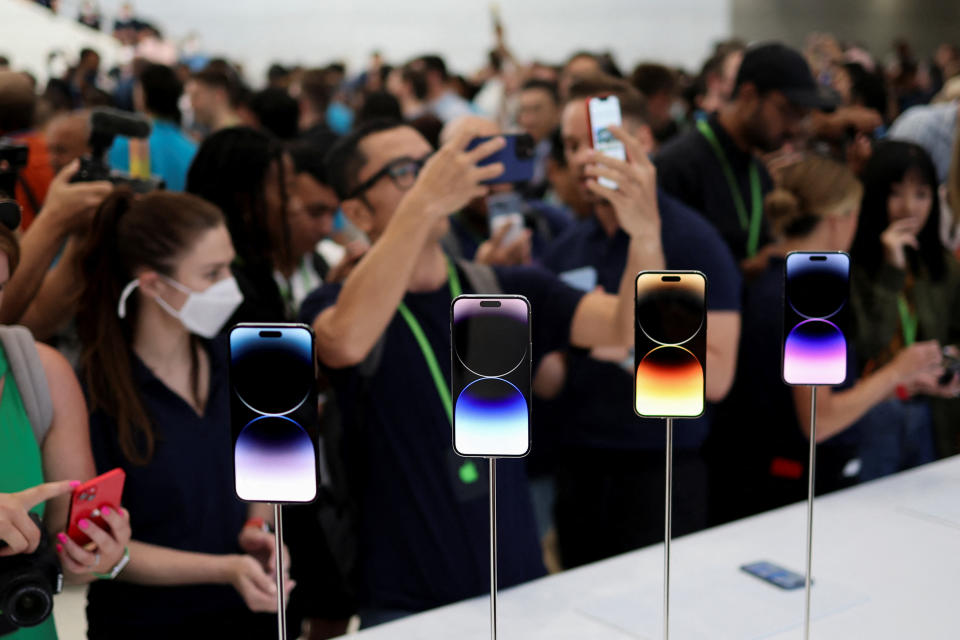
[403, 172]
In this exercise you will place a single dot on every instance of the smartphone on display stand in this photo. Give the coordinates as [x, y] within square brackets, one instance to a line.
[775, 575]
[491, 370]
[517, 156]
[815, 317]
[273, 412]
[670, 357]
[602, 113]
[89, 498]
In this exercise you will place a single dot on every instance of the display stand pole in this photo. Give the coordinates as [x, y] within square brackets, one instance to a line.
[493, 548]
[278, 546]
[667, 530]
[812, 472]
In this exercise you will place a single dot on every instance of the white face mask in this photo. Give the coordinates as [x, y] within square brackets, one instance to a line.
[204, 312]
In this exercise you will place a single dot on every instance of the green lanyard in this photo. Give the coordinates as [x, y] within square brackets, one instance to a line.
[431, 358]
[756, 197]
[908, 321]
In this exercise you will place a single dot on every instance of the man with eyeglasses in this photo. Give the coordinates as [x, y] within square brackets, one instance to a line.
[422, 511]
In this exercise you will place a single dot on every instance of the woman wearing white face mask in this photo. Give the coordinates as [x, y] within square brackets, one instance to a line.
[159, 287]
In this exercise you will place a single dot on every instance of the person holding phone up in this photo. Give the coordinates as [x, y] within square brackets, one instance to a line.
[423, 521]
[159, 291]
[47, 441]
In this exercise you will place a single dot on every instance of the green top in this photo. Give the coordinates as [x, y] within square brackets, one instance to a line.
[20, 467]
[887, 315]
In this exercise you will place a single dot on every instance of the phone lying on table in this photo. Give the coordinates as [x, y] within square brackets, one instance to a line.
[775, 575]
[602, 113]
[517, 157]
[89, 498]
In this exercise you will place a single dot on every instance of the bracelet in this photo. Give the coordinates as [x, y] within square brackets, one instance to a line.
[258, 523]
[117, 568]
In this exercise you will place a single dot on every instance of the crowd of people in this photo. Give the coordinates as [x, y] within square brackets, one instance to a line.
[333, 198]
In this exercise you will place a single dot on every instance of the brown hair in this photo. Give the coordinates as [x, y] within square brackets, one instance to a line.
[129, 233]
[9, 246]
[808, 191]
[632, 103]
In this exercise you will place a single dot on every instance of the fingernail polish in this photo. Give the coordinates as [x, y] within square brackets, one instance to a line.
[84, 523]
[105, 511]
[74, 484]
[61, 537]
[59, 548]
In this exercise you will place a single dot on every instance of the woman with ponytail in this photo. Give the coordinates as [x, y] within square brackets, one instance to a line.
[44, 454]
[905, 291]
[159, 291]
[761, 434]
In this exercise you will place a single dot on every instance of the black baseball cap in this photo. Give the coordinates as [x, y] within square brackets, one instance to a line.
[774, 66]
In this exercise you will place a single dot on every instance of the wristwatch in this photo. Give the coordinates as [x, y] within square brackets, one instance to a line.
[117, 568]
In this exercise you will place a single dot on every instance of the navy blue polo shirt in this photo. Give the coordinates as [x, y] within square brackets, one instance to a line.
[597, 401]
[545, 221]
[183, 499]
[423, 531]
[758, 417]
[688, 169]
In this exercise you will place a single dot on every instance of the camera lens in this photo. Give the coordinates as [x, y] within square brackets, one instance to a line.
[31, 605]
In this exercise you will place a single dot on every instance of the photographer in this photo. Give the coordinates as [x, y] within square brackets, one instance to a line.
[160, 289]
[44, 436]
[423, 523]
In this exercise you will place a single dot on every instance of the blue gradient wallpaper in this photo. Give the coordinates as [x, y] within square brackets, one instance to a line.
[273, 412]
[490, 375]
[816, 291]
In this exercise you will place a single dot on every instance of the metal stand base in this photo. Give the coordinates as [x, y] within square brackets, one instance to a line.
[667, 530]
[278, 546]
[812, 472]
[493, 548]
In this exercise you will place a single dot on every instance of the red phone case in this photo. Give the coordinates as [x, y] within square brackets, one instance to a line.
[87, 500]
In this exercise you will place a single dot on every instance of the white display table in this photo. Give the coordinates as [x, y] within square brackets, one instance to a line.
[886, 565]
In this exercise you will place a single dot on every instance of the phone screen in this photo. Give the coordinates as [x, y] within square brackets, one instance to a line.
[273, 412]
[604, 112]
[491, 365]
[815, 313]
[671, 344]
[775, 575]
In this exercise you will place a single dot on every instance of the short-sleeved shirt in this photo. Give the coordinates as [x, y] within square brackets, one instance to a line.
[596, 401]
[171, 153]
[688, 169]
[424, 531]
[182, 499]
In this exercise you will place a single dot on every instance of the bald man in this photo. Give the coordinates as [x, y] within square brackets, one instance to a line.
[68, 137]
[527, 226]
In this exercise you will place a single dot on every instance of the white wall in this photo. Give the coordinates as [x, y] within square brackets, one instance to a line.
[258, 32]
[28, 33]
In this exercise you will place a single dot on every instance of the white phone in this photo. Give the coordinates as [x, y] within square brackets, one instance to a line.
[602, 112]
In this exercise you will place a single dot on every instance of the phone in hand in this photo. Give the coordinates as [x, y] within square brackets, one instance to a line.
[602, 113]
[815, 312]
[505, 208]
[273, 412]
[491, 375]
[517, 156]
[89, 498]
[670, 357]
[775, 575]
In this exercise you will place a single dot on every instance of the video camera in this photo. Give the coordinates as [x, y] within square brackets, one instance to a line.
[13, 158]
[28, 583]
[105, 125]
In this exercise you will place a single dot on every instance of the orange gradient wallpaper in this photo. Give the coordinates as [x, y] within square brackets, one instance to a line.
[670, 344]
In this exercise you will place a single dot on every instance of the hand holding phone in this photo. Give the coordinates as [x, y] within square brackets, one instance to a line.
[517, 157]
[88, 501]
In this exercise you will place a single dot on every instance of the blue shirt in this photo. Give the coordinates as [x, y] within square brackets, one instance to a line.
[597, 398]
[423, 532]
[171, 153]
[183, 499]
